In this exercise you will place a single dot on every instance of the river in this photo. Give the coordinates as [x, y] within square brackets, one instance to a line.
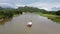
[41, 25]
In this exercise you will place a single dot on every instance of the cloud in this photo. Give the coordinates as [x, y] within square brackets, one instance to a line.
[4, 5]
[43, 4]
[7, 5]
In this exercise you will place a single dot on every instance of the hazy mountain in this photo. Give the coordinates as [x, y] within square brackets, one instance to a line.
[6, 6]
[11, 6]
[55, 8]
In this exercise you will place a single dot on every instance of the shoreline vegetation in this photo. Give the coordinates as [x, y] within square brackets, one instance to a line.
[6, 13]
[54, 18]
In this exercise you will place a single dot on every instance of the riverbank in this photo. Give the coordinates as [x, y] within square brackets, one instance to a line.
[2, 18]
[52, 17]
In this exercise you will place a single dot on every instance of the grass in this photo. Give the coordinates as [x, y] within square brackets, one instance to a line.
[52, 17]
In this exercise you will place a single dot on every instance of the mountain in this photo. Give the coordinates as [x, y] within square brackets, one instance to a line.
[55, 8]
[6, 6]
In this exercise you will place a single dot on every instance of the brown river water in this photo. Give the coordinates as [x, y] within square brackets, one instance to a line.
[40, 25]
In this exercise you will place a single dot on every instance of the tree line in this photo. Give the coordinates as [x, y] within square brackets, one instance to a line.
[10, 12]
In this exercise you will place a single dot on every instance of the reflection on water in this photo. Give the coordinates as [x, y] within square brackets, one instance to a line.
[4, 21]
[41, 25]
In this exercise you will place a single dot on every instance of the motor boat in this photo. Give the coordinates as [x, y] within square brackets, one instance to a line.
[29, 24]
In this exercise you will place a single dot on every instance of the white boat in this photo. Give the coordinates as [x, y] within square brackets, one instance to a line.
[29, 24]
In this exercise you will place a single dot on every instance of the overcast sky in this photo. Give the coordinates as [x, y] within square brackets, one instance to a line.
[44, 4]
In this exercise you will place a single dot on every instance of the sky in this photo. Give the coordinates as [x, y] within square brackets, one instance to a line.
[42, 4]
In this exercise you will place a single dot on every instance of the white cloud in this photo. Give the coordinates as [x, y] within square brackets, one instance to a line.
[46, 6]
[42, 5]
[19, 5]
[11, 5]
[5, 4]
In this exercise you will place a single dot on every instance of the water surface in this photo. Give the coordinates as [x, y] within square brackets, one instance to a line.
[41, 25]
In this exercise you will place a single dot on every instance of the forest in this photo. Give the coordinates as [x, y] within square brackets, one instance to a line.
[10, 12]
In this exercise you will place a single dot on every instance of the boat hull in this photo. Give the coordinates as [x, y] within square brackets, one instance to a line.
[29, 25]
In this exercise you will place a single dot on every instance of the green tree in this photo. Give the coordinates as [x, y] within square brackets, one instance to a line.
[58, 13]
